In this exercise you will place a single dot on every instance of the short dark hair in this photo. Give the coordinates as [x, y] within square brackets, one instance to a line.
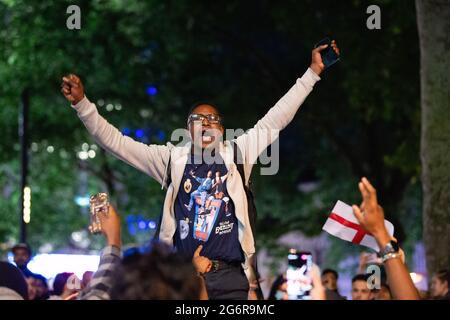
[200, 103]
[160, 274]
[334, 272]
[23, 246]
[360, 277]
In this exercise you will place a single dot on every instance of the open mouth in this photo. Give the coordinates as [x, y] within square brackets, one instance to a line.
[207, 137]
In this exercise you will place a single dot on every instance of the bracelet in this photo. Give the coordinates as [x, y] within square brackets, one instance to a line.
[391, 255]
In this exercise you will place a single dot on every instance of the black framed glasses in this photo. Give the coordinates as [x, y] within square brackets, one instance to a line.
[199, 118]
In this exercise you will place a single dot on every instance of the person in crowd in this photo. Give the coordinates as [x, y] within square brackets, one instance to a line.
[384, 293]
[159, 274]
[370, 216]
[329, 281]
[230, 252]
[22, 256]
[39, 282]
[13, 285]
[439, 285]
[87, 277]
[278, 291]
[360, 289]
[65, 286]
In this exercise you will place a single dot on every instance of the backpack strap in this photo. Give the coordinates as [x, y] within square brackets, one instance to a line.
[238, 160]
[167, 182]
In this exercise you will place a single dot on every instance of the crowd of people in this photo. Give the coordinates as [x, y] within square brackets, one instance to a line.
[160, 272]
[206, 243]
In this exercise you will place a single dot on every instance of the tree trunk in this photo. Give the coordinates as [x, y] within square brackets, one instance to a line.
[433, 18]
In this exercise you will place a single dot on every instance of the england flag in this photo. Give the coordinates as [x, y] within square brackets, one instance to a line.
[343, 224]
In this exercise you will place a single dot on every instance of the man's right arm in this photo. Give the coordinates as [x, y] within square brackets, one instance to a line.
[151, 159]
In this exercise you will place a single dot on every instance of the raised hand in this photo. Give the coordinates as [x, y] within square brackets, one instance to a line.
[72, 88]
[111, 227]
[370, 215]
[316, 59]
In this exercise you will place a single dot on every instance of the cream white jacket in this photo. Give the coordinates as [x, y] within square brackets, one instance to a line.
[153, 159]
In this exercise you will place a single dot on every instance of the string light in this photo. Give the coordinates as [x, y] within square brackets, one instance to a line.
[27, 204]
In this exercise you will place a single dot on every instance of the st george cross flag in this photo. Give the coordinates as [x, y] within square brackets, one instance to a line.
[343, 224]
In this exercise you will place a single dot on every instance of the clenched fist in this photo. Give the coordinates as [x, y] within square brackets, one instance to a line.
[202, 264]
[72, 88]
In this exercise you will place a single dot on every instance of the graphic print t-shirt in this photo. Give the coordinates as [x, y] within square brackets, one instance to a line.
[205, 213]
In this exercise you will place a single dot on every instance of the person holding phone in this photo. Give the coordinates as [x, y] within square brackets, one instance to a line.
[228, 242]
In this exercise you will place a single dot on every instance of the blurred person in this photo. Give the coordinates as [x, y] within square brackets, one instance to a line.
[278, 291]
[13, 285]
[230, 251]
[329, 281]
[99, 288]
[159, 274]
[384, 293]
[22, 256]
[31, 288]
[370, 216]
[39, 282]
[87, 277]
[439, 285]
[360, 289]
[65, 286]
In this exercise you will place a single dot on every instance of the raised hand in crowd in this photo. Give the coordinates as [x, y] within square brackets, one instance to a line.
[371, 217]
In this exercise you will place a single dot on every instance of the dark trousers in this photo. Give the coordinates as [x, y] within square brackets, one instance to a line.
[227, 284]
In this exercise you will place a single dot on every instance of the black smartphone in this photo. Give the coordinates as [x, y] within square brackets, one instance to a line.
[329, 56]
[299, 282]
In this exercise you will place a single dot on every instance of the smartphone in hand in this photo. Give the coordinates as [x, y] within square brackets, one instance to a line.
[299, 282]
[329, 56]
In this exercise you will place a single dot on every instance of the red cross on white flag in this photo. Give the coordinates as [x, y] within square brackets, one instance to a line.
[342, 223]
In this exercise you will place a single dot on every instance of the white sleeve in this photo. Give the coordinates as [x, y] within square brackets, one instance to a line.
[151, 159]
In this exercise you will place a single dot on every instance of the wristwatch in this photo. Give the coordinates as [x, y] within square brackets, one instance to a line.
[391, 247]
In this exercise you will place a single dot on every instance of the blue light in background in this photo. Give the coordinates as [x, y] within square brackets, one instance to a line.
[142, 225]
[152, 91]
[139, 133]
[152, 224]
[161, 135]
[126, 131]
[82, 201]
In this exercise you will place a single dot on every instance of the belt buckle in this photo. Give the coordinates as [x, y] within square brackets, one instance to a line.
[215, 265]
